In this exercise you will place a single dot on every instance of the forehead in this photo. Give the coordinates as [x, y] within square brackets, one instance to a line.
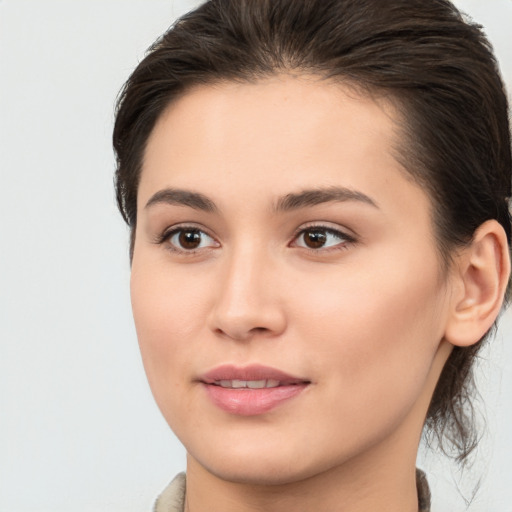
[272, 136]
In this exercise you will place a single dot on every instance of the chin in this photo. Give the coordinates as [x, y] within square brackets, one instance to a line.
[262, 472]
[254, 464]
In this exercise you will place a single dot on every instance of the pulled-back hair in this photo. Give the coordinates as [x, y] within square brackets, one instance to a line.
[433, 64]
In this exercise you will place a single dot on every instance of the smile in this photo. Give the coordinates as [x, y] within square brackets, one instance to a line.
[250, 384]
[250, 390]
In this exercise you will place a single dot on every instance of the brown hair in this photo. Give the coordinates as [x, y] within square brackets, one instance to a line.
[437, 67]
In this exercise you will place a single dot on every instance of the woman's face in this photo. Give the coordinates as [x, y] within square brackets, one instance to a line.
[286, 286]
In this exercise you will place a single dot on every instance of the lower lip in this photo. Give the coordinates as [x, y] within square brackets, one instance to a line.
[250, 402]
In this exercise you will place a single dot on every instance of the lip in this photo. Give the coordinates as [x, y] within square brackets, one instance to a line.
[246, 401]
[251, 372]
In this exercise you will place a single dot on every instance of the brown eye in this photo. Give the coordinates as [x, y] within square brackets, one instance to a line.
[321, 238]
[314, 239]
[190, 239]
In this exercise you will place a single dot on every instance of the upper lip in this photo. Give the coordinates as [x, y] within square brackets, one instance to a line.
[249, 373]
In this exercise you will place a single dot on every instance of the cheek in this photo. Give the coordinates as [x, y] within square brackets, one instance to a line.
[168, 314]
[167, 304]
[376, 334]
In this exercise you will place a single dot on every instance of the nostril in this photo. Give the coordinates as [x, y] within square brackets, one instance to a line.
[259, 329]
[241, 334]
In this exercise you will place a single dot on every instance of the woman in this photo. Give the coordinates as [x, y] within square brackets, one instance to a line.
[317, 193]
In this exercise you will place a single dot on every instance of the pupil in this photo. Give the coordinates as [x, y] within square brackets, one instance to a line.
[315, 239]
[190, 239]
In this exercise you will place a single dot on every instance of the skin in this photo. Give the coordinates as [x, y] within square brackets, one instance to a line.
[363, 318]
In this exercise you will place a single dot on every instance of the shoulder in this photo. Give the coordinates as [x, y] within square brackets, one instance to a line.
[172, 499]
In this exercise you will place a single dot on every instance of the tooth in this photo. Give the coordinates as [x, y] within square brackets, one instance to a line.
[255, 384]
[251, 384]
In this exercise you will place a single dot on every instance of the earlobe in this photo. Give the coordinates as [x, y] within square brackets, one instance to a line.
[482, 272]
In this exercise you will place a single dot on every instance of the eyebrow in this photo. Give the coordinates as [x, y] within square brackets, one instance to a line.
[318, 196]
[181, 197]
[289, 202]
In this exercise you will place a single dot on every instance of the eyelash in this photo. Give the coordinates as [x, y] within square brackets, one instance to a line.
[345, 239]
[167, 235]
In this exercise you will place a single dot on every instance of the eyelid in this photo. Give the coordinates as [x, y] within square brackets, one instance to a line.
[342, 233]
[346, 236]
[169, 232]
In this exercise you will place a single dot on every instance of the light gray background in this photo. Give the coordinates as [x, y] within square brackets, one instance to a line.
[78, 427]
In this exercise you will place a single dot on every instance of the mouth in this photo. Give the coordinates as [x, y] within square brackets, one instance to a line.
[253, 376]
[249, 384]
[251, 390]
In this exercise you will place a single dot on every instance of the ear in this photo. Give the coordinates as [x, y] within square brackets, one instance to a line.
[481, 278]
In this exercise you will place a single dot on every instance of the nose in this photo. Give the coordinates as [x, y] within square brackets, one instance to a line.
[248, 301]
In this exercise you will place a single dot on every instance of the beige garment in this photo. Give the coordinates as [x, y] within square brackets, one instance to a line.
[173, 497]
